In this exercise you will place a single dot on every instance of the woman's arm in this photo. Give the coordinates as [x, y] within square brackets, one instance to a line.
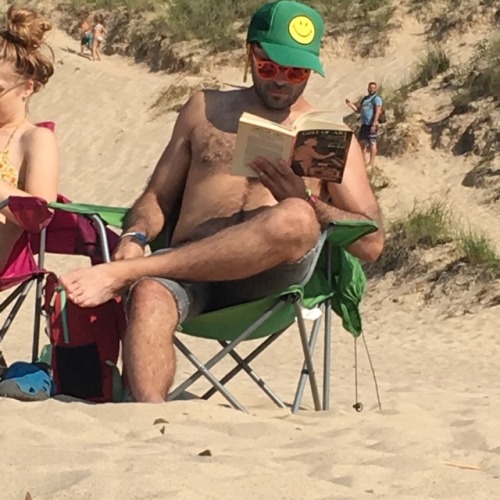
[41, 166]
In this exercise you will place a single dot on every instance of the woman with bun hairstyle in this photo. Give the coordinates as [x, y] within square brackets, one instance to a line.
[29, 156]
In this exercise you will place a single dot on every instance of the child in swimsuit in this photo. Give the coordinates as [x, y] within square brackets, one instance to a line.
[85, 35]
[29, 155]
[99, 36]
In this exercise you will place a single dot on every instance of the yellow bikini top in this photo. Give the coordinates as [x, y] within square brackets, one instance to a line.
[8, 173]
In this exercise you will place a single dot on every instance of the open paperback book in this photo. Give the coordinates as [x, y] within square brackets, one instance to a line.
[316, 146]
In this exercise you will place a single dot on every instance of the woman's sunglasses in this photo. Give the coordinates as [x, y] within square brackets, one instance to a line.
[269, 70]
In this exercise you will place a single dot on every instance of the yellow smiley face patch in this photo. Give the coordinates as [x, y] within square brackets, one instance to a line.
[301, 29]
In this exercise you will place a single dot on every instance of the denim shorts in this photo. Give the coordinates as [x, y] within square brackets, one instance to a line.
[196, 297]
[366, 136]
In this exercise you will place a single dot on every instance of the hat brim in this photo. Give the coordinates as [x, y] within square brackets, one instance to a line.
[290, 56]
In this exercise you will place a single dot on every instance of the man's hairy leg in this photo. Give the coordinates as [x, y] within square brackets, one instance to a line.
[280, 234]
[373, 154]
[364, 150]
[148, 350]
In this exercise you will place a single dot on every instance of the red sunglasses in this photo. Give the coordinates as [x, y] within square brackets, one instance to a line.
[269, 70]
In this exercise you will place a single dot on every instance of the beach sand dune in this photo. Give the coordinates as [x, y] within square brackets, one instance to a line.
[437, 436]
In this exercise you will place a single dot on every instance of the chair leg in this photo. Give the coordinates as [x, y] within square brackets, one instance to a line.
[19, 294]
[203, 370]
[12, 297]
[3, 363]
[38, 297]
[304, 374]
[37, 319]
[327, 356]
[244, 364]
[215, 359]
[308, 357]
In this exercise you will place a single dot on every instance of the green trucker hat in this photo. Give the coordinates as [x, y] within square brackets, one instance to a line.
[290, 33]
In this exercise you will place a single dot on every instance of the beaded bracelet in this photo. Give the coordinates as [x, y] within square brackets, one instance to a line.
[311, 198]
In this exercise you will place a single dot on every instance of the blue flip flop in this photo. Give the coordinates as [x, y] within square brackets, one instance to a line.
[27, 382]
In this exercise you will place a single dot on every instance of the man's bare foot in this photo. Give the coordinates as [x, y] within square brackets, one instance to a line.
[94, 285]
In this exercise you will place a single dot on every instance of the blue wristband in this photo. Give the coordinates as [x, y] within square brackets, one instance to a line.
[140, 237]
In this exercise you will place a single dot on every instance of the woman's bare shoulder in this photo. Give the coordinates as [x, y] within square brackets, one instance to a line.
[34, 137]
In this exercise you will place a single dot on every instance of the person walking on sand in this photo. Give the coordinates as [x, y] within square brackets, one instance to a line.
[370, 109]
[99, 35]
[85, 35]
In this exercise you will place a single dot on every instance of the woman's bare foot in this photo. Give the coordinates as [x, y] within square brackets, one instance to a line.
[94, 285]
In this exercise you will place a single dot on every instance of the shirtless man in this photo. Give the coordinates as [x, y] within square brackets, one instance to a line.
[236, 239]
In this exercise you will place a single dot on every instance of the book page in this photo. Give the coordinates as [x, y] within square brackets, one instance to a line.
[253, 141]
[326, 120]
[258, 121]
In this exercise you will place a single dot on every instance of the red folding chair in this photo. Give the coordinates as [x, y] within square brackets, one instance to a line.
[45, 231]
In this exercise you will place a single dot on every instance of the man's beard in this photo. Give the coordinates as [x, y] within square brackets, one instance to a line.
[290, 94]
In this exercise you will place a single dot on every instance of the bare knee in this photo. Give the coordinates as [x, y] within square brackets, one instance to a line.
[150, 298]
[295, 227]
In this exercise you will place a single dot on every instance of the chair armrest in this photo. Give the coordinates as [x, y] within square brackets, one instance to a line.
[112, 216]
[32, 213]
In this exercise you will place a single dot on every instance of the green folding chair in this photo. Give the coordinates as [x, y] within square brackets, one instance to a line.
[335, 283]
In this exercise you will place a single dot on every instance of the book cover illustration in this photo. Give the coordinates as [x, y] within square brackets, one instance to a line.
[321, 154]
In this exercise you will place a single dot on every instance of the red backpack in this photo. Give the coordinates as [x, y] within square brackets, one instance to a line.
[85, 345]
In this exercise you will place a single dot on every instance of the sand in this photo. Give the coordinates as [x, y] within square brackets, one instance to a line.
[437, 436]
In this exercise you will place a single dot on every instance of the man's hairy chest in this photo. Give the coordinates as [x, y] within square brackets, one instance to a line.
[212, 148]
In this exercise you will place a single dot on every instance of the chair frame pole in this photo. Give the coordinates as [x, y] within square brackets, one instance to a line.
[101, 229]
[203, 369]
[19, 294]
[304, 372]
[244, 364]
[327, 349]
[38, 297]
[307, 356]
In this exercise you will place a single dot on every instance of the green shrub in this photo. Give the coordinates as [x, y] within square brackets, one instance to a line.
[216, 21]
[130, 5]
[396, 99]
[435, 62]
[426, 226]
[484, 80]
[478, 251]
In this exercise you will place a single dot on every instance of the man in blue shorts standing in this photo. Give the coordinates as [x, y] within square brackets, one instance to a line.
[370, 109]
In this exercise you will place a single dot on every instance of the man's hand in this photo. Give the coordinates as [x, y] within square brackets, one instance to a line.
[353, 106]
[279, 178]
[128, 248]
[373, 128]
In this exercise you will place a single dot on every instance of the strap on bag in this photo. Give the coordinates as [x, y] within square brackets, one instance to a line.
[52, 289]
[64, 312]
